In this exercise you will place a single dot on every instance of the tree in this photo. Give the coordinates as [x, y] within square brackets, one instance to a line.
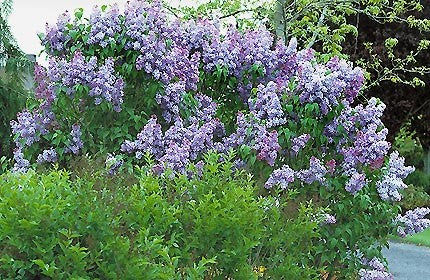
[13, 66]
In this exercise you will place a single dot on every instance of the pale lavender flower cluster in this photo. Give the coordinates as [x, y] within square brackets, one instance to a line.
[252, 133]
[369, 146]
[392, 182]
[48, 155]
[104, 26]
[113, 164]
[107, 86]
[170, 100]
[352, 77]
[21, 164]
[29, 126]
[55, 36]
[413, 221]
[299, 142]
[178, 146]
[44, 89]
[329, 219]
[267, 105]
[375, 271]
[75, 143]
[356, 182]
[266, 145]
[205, 109]
[150, 139]
[315, 172]
[280, 177]
[316, 86]
[101, 80]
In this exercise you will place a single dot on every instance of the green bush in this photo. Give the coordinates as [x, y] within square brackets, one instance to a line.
[208, 226]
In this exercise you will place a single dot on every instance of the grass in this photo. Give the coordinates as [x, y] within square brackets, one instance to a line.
[421, 239]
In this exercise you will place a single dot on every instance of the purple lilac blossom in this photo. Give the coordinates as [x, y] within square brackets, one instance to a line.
[49, 155]
[55, 36]
[413, 221]
[392, 181]
[267, 105]
[280, 177]
[375, 271]
[104, 26]
[329, 219]
[21, 164]
[113, 164]
[356, 182]
[331, 166]
[315, 172]
[266, 145]
[150, 139]
[75, 144]
[170, 100]
[29, 126]
[299, 142]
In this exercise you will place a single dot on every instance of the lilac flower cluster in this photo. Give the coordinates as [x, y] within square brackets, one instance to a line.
[329, 219]
[282, 177]
[171, 100]
[113, 164]
[356, 182]
[21, 164]
[44, 89]
[49, 155]
[205, 109]
[178, 146]
[104, 26]
[327, 90]
[390, 184]
[267, 105]
[56, 35]
[315, 172]
[29, 126]
[75, 143]
[375, 271]
[150, 139]
[299, 142]
[105, 85]
[369, 146]
[101, 80]
[252, 133]
[413, 221]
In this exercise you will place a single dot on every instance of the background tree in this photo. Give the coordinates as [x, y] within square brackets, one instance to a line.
[14, 66]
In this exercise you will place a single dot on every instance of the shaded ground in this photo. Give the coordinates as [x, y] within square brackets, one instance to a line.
[408, 262]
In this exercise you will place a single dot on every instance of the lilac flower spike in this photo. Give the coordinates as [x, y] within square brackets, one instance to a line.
[282, 177]
[413, 221]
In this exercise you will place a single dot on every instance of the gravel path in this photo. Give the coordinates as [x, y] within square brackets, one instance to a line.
[408, 262]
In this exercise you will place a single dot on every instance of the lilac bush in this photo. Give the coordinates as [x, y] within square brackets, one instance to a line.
[141, 84]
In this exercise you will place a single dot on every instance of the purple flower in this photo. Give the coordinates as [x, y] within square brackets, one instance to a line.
[267, 105]
[55, 36]
[329, 219]
[150, 139]
[21, 164]
[316, 172]
[75, 144]
[113, 164]
[266, 145]
[299, 142]
[356, 182]
[392, 181]
[413, 221]
[281, 177]
[375, 271]
[49, 155]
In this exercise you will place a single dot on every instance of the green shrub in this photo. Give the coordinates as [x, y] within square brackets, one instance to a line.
[211, 226]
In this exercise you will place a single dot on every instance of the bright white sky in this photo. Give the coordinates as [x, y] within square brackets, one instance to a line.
[30, 16]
